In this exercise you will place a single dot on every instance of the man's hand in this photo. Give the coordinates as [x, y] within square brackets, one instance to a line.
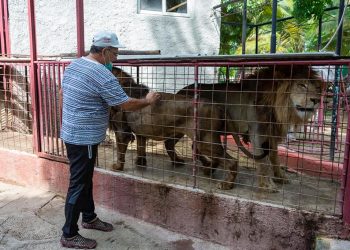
[152, 97]
[134, 104]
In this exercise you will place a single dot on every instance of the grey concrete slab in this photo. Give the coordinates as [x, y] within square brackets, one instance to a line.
[32, 219]
[323, 243]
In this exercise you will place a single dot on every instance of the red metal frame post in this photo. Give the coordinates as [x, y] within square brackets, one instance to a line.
[80, 27]
[346, 179]
[4, 29]
[195, 132]
[33, 76]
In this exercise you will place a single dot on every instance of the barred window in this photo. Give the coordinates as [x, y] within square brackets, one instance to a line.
[163, 6]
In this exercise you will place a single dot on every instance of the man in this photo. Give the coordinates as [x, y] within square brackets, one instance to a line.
[88, 88]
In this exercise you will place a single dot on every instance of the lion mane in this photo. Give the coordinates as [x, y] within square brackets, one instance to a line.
[275, 94]
[261, 107]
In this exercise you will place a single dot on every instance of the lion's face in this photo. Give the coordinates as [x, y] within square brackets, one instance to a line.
[305, 96]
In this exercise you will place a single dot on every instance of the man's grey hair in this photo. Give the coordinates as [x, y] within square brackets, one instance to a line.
[96, 49]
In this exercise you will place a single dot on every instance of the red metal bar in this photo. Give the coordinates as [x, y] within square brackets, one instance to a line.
[220, 63]
[195, 132]
[6, 27]
[59, 108]
[33, 76]
[80, 27]
[11, 89]
[49, 104]
[55, 104]
[49, 113]
[2, 29]
[4, 80]
[40, 107]
[346, 179]
[53, 157]
[44, 109]
[228, 62]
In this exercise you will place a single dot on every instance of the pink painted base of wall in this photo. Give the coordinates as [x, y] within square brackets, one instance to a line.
[304, 163]
[310, 165]
[234, 222]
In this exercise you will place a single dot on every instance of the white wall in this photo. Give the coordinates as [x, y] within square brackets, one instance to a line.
[173, 35]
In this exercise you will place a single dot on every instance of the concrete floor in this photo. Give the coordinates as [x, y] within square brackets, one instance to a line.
[32, 219]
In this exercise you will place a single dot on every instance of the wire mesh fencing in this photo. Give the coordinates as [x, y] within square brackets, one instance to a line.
[265, 132]
[15, 107]
[269, 132]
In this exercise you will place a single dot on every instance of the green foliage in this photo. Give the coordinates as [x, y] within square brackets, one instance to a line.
[258, 11]
[230, 37]
[292, 35]
[306, 9]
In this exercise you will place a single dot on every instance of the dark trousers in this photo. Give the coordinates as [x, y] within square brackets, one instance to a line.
[79, 196]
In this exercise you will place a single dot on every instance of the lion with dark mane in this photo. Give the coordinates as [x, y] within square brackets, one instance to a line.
[259, 108]
[173, 115]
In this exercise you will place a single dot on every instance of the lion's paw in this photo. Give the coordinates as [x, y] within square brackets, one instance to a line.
[281, 180]
[117, 167]
[225, 185]
[280, 177]
[268, 189]
[267, 185]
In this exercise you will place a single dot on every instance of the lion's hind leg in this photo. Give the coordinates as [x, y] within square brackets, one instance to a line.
[122, 141]
[217, 155]
[141, 160]
[208, 165]
[231, 164]
[170, 149]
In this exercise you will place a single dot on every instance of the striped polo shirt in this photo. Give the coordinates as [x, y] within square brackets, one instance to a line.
[88, 89]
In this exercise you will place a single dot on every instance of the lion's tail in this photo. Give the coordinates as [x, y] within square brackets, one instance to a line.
[265, 146]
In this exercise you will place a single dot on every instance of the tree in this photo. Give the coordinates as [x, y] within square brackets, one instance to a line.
[294, 35]
[304, 9]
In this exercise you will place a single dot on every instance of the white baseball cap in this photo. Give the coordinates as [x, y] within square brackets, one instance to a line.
[106, 39]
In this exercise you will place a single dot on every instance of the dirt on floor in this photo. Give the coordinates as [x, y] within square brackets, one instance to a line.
[303, 191]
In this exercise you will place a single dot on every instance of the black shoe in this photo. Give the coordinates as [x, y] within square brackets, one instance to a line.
[98, 225]
[79, 242]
